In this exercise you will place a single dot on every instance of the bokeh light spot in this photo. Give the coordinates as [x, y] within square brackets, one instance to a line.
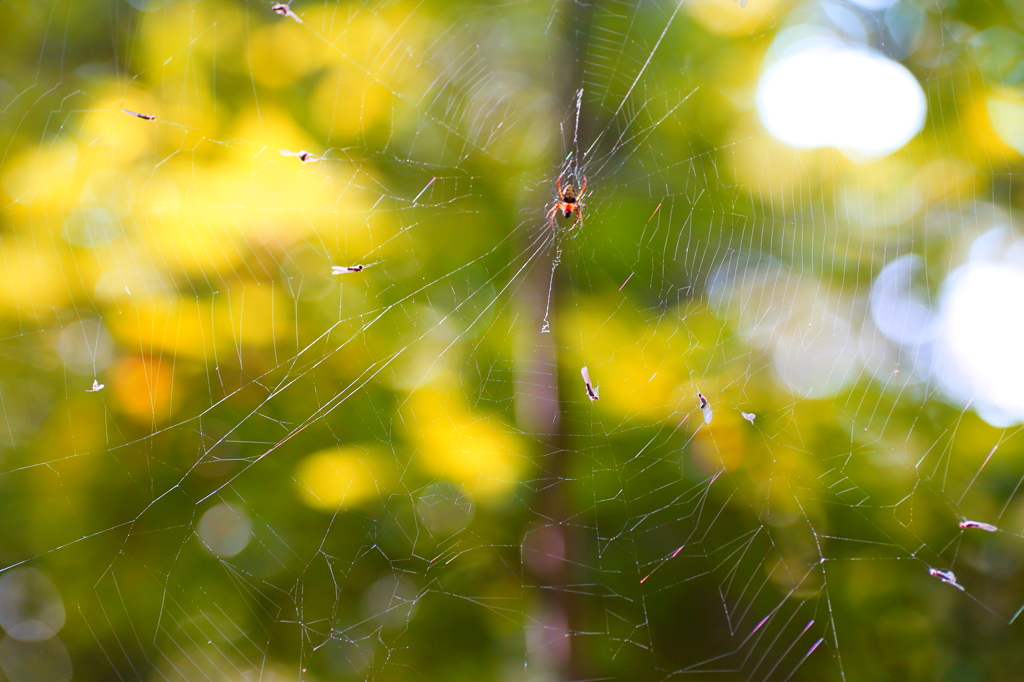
[823, 93]
[224, 530]
[982, 339]
[390, 601]
[43, 661]
[31, 609]
[443, 508]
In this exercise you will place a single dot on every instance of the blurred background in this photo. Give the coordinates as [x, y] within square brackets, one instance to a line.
[228, 453]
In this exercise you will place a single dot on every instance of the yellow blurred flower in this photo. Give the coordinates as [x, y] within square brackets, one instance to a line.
[252, 199]
[370, 55]
[143, 388]
[349, 101]
[637, 366]
[43, 176]
[340, 477]
[719, 444]
[281, 52]
[378, 40]
[106, 127]
[32, 282]
[208, 329]
[1006, 117]
[170, 39]
[478, 452]
[730, 17]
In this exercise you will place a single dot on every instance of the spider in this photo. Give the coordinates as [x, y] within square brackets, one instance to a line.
[568, 202]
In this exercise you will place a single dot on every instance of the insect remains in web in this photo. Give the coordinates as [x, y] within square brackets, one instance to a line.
[749, 416]
[947, 577]
[589, 385]
[284, 10]
[705, 407]
[569, 201]
[303, 156]
[346, 269]
[148, 117]
[979, 525]
[96, 387]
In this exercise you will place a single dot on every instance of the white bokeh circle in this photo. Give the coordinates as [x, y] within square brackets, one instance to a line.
[821, 92]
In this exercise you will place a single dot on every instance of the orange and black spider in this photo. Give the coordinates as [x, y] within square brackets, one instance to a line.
[568, 202]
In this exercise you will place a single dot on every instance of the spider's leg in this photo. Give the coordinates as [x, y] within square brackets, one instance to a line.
[583, 188]
[559, 183]
[552, 214]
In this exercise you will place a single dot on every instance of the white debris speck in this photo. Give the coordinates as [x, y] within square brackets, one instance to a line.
[346, 269]
[978, 524]
[947, 577]
[591, 389]
[284, 10]
[303, 156]
[148, 117]
[705, 407]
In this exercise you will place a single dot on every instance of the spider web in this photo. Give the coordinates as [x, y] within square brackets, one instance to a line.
[293, 385]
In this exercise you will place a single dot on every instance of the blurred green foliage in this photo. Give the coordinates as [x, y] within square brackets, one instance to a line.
[370, 426]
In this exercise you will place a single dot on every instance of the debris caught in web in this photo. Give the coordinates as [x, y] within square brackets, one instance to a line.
[148, 117]
[591, 389]
[345, 269]
[978, 524]
[749, 416]
[284, 10]
[947, 577]
[705, 407]
[96, 386]
[302, 156]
